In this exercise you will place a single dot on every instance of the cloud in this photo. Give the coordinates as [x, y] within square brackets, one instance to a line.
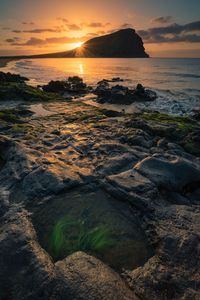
[91, 35]
[126, 25]
[95, 24]
[163, 20]
[33, 41]
[42, 30]
[12, 40]
[74, 27]
[28, 23]
[16, 31]
[63, 20]
[173, 33]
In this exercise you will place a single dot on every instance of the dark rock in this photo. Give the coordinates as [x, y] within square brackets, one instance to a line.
[171, 173]
[8, 77]
[56, 132]
[112, 113]
[90, 279]
[73, 85]
[122, 95]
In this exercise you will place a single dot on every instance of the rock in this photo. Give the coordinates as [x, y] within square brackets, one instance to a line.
[79, 276]
[56, 132]
[162, 143]
[131, 180]
[85, 273]
[122, 95]
[173, 273]
[117, 79]
[8, 77]
[140, 140]
[72, 86]
[112, 113]
[171, 173]
[49, 179]
[16, 165]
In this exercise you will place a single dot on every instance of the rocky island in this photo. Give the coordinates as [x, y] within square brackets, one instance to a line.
[125, 43]
[96, 204]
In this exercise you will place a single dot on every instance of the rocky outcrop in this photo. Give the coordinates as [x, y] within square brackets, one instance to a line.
[122, 95]
[73, 86]
[110, 45]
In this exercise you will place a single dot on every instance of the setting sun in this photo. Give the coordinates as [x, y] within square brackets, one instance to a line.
[78, 44]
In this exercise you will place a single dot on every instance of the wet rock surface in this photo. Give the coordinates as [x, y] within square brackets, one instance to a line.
[148, 185]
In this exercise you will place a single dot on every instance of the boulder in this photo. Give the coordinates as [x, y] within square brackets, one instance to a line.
[90, 279]
[170, 173]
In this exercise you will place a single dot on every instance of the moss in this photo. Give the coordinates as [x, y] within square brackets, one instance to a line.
[175, 128]
[22, 91]
[8, 115]
[19, 128]
[180, 125]
[69, 236]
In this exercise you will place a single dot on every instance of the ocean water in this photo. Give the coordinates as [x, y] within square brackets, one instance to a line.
[177, 81]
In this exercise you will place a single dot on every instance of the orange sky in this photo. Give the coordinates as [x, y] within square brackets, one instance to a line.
[32, 27]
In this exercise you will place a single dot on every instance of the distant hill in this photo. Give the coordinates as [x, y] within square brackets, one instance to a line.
[125, 43]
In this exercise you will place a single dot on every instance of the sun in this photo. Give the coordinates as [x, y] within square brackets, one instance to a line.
[78, 44]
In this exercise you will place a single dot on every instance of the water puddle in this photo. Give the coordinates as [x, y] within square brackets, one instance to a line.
[40, 111]
[129, 109]
[93, 222]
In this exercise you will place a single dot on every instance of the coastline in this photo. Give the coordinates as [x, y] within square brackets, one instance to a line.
[102, 167]
[5, 61]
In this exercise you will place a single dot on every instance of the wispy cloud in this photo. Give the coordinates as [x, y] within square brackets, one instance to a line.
[63, 20]
[28, 23]
[126, 25]
[163, 20]
[95, 24]
[33, 41]
[74, 27]
[40, 30]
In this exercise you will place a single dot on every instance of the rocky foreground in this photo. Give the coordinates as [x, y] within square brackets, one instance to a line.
[96, 204]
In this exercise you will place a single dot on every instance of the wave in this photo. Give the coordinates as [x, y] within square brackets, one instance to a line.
[184, 75]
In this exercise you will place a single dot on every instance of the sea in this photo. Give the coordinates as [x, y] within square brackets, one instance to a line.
[176, 81]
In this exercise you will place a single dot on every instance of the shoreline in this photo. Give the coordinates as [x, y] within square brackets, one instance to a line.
[5, 61]
[63, 161]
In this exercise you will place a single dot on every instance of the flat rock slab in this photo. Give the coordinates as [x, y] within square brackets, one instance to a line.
[171, 173]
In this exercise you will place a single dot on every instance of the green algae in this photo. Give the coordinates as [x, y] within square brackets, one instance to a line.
[95, 223]
[184, 124]
[70, 235]
[181, 130]
[21, 91]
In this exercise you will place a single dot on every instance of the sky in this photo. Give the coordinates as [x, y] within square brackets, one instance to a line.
[169, 28]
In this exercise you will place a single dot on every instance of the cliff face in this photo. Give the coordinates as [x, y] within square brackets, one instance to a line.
[123, 43]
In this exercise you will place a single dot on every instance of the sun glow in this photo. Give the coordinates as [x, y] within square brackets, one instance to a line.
[78, 44]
